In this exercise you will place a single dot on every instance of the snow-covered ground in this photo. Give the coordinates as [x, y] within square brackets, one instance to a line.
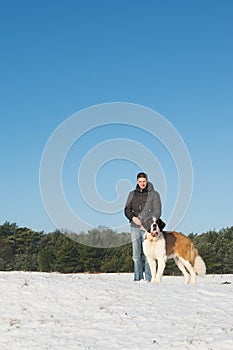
[110, 311]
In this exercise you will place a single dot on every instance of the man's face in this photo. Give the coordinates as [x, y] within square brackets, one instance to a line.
[142, 182]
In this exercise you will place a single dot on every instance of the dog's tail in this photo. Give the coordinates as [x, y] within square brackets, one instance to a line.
[199, 265]
[197, 261]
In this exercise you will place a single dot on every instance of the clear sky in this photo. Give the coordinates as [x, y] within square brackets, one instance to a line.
[60, 57]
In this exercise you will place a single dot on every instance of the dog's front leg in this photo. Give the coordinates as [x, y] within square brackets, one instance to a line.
[161, 267]
[152, 264]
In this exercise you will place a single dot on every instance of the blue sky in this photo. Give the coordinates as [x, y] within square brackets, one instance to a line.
[59, 57]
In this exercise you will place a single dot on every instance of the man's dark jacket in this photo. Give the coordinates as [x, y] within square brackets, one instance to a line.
[143, 203]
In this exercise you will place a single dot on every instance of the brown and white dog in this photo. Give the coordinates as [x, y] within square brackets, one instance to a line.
[162, 245]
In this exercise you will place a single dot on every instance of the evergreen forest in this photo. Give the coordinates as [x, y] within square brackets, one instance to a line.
[22, 249]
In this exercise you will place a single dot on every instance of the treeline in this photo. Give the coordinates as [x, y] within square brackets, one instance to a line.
[27, 250]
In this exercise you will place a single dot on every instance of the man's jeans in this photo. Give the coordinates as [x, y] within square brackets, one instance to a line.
[137, 239]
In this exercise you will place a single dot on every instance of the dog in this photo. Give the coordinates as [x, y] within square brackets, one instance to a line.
[162, 245]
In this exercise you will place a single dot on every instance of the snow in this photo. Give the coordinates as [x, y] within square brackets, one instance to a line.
[110, 311]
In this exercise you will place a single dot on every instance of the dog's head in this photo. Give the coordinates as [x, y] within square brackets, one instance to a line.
[154, 226]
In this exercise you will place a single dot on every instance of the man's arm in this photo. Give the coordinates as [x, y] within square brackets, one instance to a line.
[157, 206]
[128, 207]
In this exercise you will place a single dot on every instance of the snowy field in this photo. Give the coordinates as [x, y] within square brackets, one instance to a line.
[110, 311]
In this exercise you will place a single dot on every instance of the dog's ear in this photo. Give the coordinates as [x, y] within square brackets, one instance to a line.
[147, 223]
[160, 223]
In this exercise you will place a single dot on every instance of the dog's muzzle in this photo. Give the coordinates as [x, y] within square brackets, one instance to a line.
[155, 233]
[154, 230]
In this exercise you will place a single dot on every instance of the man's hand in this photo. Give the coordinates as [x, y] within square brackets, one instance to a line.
[137, 221]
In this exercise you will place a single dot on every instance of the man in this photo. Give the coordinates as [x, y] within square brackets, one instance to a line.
[142, 203]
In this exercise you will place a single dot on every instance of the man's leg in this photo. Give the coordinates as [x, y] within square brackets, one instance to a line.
[137, 253]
